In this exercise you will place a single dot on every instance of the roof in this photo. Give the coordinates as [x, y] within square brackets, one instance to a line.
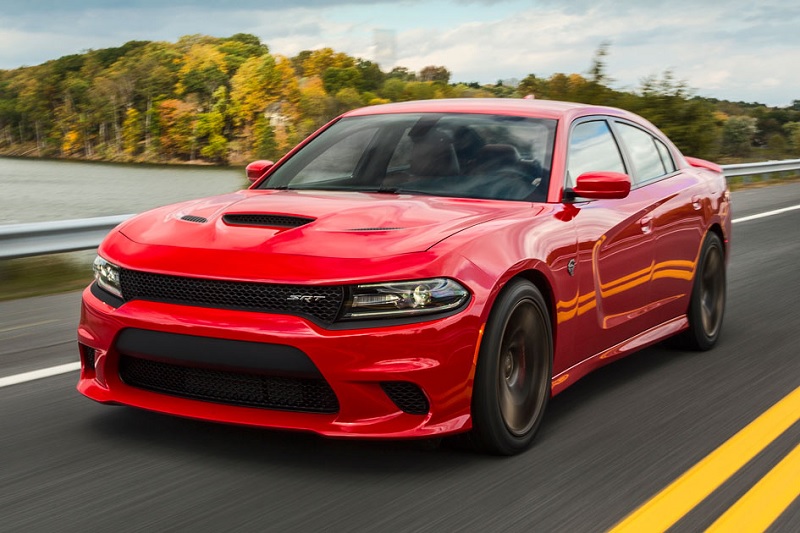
[511, 106]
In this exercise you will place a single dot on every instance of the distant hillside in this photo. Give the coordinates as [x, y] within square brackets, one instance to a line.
[229, 100]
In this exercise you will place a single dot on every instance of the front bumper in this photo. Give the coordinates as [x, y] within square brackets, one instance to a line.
[438, 356]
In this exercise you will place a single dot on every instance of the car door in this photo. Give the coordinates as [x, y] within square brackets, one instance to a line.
[615, 243]
[677, 219]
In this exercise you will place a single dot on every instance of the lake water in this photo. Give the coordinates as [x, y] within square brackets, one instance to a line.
[34, 190]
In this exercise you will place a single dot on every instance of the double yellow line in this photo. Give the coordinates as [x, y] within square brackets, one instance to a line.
[754, 511]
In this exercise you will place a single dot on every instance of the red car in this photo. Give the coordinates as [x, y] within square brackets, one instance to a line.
[413, 270]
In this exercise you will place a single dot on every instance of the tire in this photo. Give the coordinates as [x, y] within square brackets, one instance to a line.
[512, 379]
[707, 305]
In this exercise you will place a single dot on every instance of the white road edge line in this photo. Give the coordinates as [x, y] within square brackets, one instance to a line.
[39, 374]
[764, 215]
[70, 367]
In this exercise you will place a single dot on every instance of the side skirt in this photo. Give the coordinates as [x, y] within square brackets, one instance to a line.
[625, 348]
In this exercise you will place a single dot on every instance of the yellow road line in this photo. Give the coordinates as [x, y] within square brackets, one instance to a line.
[766, 501]
[680, 497]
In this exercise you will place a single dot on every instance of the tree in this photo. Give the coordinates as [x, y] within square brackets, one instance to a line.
[689, 122]
[320, 60]
[530, 84]
[202, 71]
[132, 131]
[254, 86]
[402, 74]
[335, 79]
[264, 143]
[435, 74]
[597, 72]
[211, 128]
[371, 76]
[792, 130]
[737, 134]
[178, 128]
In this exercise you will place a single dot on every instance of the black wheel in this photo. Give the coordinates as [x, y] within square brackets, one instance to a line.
[512, 380]
[707, 306]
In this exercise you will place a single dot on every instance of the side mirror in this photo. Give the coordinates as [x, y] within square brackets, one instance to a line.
[602, 185]
[257, 169]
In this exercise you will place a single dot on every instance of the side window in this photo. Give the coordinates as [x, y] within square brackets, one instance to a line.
[666, 157]
[646, 159]
[592, 148]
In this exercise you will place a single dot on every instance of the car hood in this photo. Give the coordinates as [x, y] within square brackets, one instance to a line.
[343, 225]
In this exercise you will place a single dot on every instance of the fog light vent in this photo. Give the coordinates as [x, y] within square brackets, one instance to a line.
[407, 396]
[87, 356]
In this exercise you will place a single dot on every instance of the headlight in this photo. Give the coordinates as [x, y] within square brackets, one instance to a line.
[107, 276]
[404, 298]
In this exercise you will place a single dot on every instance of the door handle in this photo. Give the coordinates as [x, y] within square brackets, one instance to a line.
[647, 224]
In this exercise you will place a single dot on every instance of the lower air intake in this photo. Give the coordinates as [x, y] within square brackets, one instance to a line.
[407, 396]
[230, 387]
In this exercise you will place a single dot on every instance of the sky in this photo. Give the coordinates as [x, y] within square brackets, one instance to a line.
[729, 49]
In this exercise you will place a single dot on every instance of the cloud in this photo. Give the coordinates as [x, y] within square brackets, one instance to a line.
[738, 50]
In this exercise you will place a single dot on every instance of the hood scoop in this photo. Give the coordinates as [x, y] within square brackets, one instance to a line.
[196, 219]
[376, 229]
[265, 220]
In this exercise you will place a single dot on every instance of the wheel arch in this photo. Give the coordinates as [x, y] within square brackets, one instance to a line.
[716, 228]
[539, 280]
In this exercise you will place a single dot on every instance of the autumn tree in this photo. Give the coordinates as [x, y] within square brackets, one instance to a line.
[132, 131]
[178, 123]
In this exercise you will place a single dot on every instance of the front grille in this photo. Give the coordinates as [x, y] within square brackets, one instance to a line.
[407, 396]
[230, 387]
[320, 303]
[272, 221]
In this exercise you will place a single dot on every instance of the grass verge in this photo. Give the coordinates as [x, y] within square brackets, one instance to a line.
[47, 274]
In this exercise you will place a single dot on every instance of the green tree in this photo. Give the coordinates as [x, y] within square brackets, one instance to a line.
[335, 79]
[737, 135]
[371, 76]
[435, 74]
[264, 144]
[792, 130]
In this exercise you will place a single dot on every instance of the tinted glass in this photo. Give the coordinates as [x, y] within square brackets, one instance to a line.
[460, 155]
[666, 157]
[641, 146]
[592, 148]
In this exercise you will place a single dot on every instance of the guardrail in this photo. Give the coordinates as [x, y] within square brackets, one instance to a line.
[757, 169]
[40, 238]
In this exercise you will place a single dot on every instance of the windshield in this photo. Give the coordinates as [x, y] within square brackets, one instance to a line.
[459, 155]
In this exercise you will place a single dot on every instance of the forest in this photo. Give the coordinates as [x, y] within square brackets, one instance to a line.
[230, 100]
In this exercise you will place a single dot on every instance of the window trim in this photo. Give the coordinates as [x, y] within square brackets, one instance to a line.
[635, 182]
[614, 135]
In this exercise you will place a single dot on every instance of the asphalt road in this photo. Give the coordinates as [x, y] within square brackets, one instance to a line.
[606, 446]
